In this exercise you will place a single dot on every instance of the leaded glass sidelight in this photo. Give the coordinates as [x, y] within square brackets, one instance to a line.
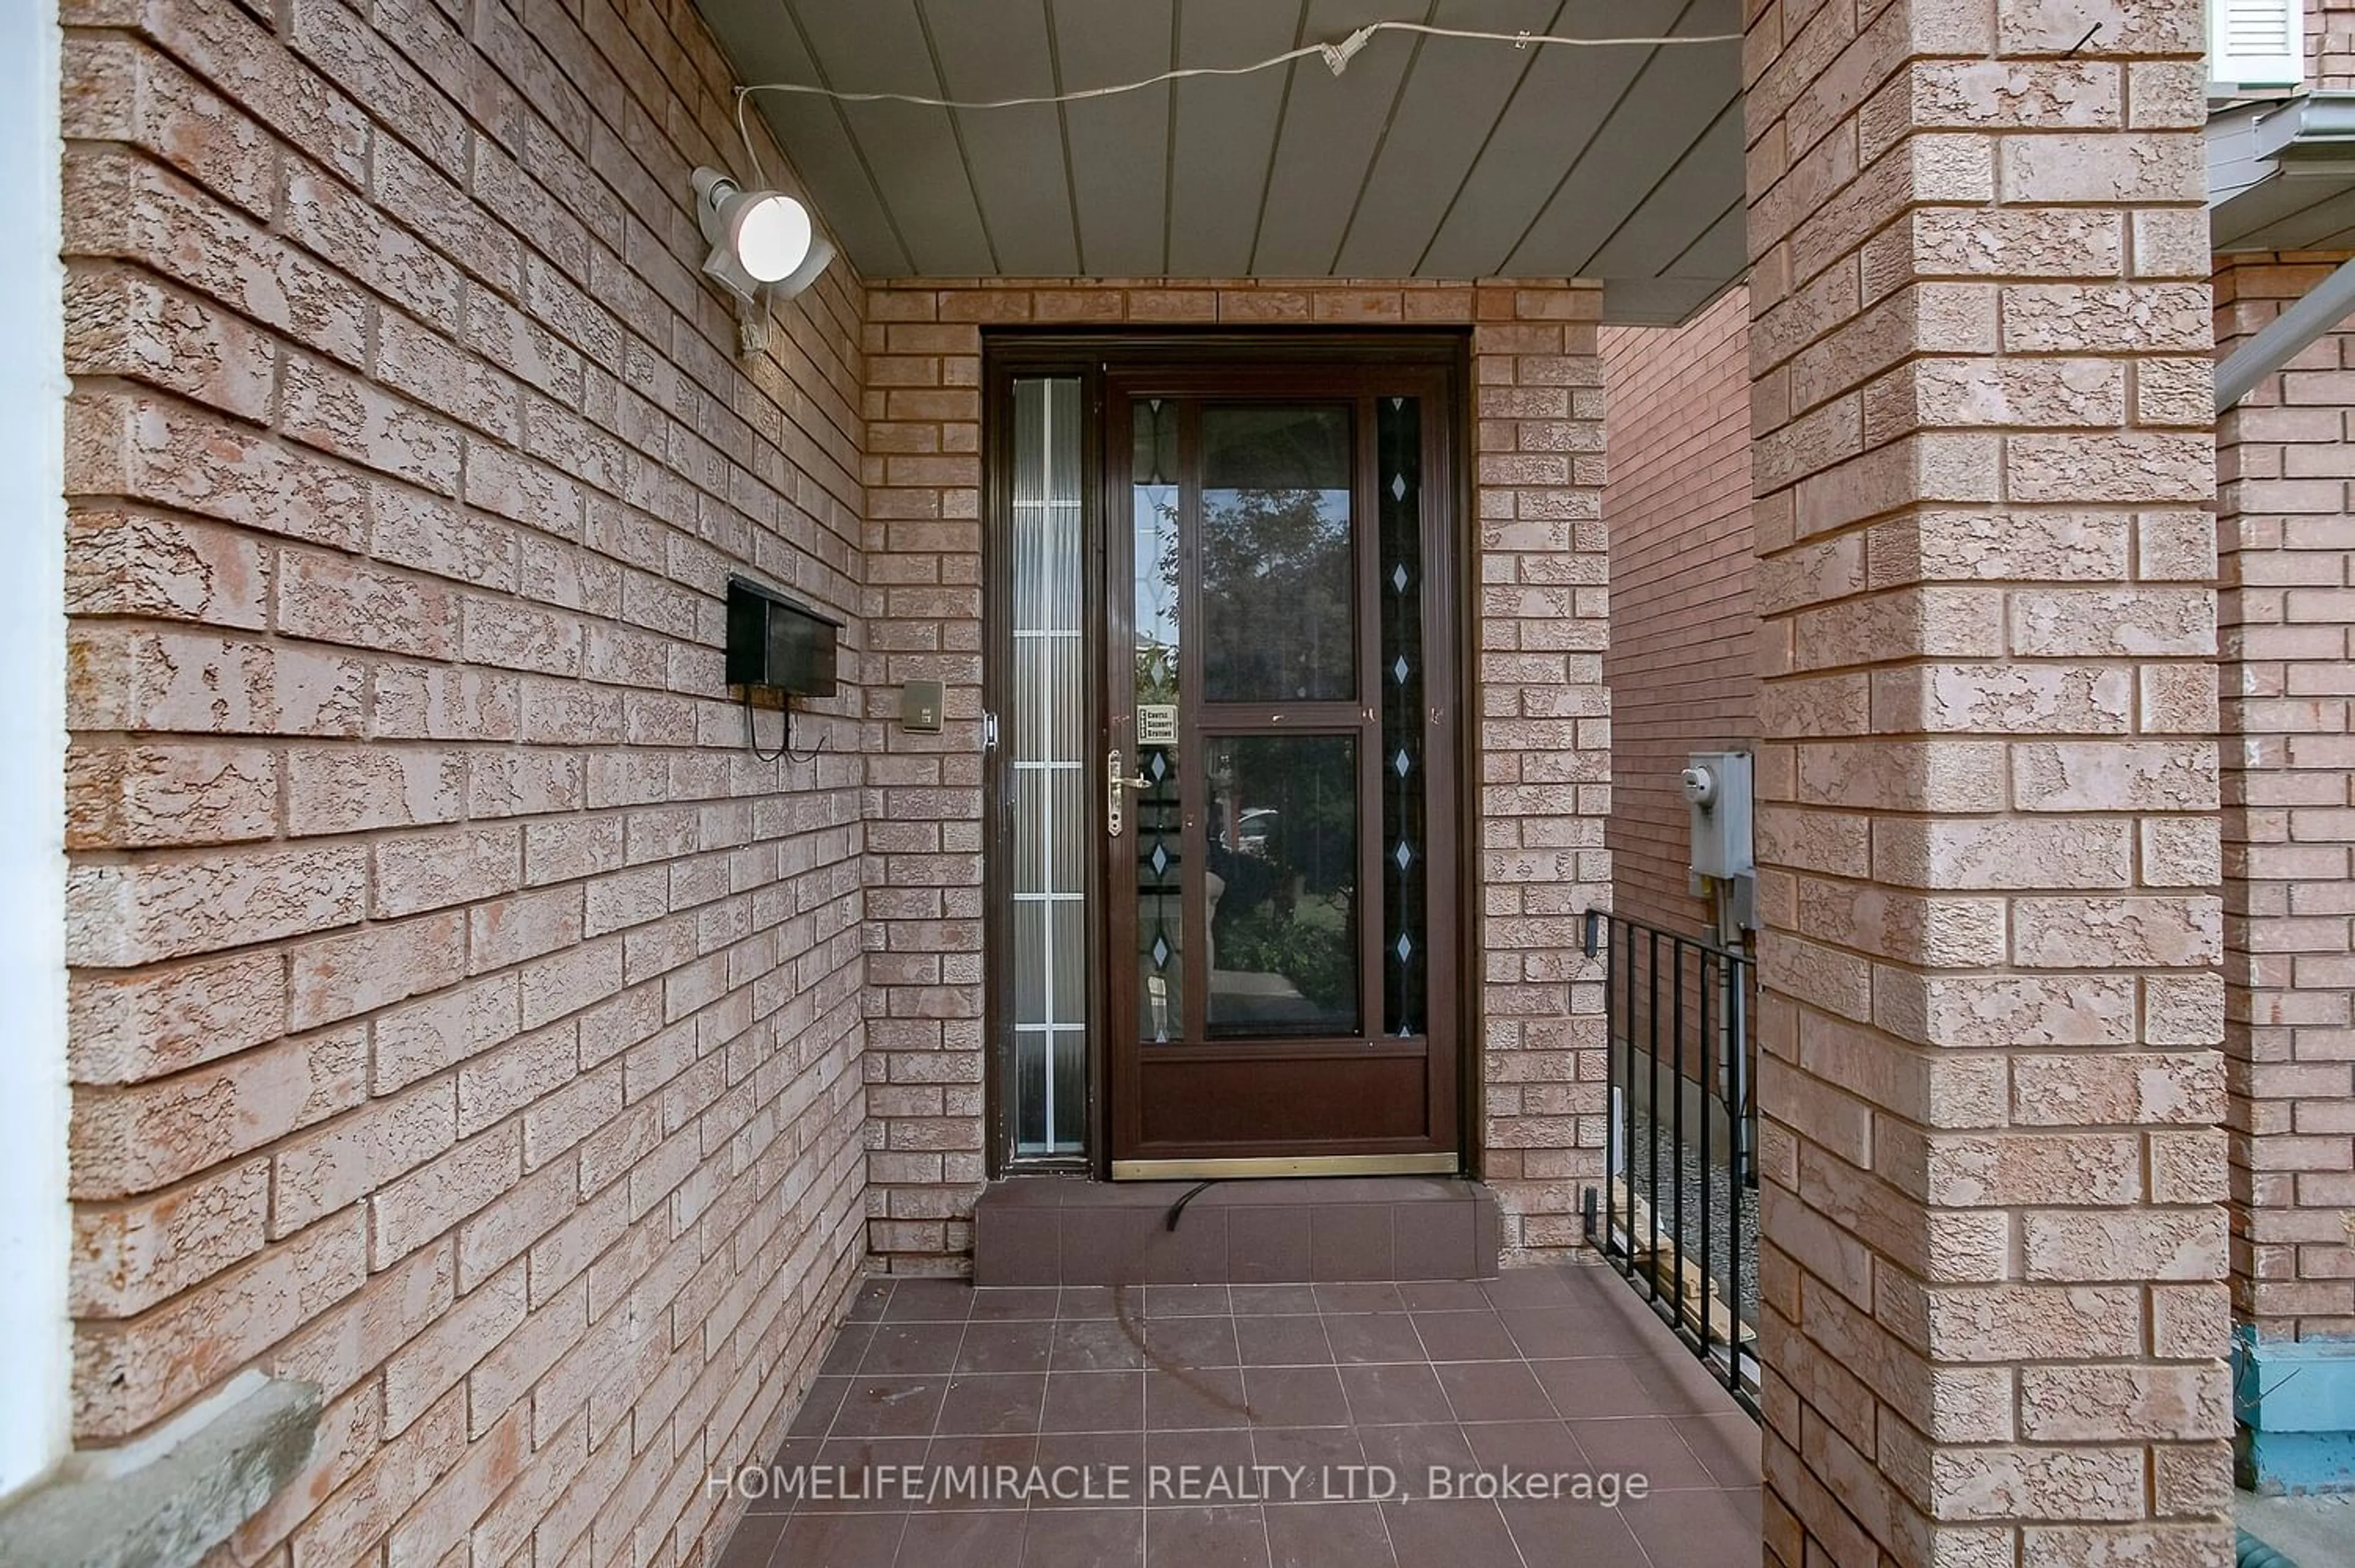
[1044, 733]
[1159, 836]
[1406, 964]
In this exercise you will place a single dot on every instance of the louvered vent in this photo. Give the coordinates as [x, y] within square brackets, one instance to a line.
[2255, 45]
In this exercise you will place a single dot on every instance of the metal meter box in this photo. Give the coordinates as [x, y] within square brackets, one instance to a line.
[920, 708]
[1717, 795]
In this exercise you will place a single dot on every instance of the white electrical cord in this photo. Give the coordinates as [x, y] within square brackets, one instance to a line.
[1337, 58]
[759, 176]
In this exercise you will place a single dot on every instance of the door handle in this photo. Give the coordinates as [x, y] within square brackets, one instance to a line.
[1116, 786]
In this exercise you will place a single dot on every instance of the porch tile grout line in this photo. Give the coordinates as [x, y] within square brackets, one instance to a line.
[1453, 1409]
[1266, 1536]
[1351, 1404]
[1521, 1357]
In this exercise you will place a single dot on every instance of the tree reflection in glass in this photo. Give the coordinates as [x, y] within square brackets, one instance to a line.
[1283, 858]
[1278, 619]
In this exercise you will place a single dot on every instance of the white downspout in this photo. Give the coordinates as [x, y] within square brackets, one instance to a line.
[36, 1225]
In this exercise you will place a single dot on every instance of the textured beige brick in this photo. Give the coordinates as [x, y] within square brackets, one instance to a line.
[370, 968]
[409, 1213]
[348, 319]
[128, 1257]
[192, 684]
[2122, 775]
[351, 791]
[155, 795]
[343, 1162]
[140, 911]
[435, 1361]
[2186, 1245]
[175, 341]
[140, 211]
[140, 1024]
[2152, 931]
[126, 1376]
[134, 563]
[2034, 423]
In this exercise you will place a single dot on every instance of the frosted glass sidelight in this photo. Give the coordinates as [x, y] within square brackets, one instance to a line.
[1044, 736]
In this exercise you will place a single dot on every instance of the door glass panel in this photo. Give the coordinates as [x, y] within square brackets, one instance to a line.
[1278, 587]
[1158, 837]
[1160, 921]
[1398, 485]
[1280, 882]
[1045, 741]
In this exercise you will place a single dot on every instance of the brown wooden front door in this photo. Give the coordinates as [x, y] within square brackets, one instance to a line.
[1277, 794]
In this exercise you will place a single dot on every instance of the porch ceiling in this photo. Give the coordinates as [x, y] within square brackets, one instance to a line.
[1428, 158]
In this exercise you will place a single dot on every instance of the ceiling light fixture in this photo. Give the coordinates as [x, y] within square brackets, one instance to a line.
[762, 241]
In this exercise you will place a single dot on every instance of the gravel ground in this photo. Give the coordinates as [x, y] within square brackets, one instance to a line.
[1721, 1187]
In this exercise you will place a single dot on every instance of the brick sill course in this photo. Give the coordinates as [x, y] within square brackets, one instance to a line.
[167, 1500]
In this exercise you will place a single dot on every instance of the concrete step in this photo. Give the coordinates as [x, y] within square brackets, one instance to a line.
[1064, 1230]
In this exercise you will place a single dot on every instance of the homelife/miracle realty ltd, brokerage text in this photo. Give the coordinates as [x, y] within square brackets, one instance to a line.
[1014, 1486]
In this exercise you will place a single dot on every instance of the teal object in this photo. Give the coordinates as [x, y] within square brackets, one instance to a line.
[2294, 1401]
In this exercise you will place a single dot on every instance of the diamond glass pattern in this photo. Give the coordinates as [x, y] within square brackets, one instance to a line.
[1159, 630]
[1398, 451]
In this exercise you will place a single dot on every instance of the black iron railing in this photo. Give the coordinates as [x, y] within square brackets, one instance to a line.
[1678, 1213]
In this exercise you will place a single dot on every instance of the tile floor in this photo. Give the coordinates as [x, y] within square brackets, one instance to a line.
[1259, 1426]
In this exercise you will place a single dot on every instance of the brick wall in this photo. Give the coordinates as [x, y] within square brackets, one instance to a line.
[1541, 770]
[1992, 1241]
[2330, 44]
[460, 1018]
[2285, 455]
[1683, 661]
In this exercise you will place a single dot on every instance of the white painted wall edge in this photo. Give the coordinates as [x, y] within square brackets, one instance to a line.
[36, 1224]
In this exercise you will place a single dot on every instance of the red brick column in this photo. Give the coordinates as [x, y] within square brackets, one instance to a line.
[2289, 608]
[1993, 1240]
